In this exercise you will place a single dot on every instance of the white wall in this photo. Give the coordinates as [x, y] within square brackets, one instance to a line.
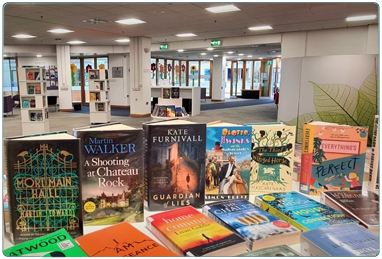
[119, 87]
[34, 61]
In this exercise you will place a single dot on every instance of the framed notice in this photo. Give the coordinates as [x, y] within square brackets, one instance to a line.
[117, 72]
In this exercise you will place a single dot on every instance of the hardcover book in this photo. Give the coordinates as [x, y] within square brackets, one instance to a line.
[30, 75]
[259, 228]
[280, 250]
[344, 241]
[333, 157]
[188, 232]
[56, 244]
[272, 158]
[43, 178]
[170, 111]
[25, 103]
[30, 89]
[37, 89]
[32, 103]
[175, 92]
[178, 112]
[300, 211]
[93, 96]
[162, 111]
[121, 240]
[175, 153]
[166, 93]
[362, 206]
[112, 178]
[373, 184]
[228, 161]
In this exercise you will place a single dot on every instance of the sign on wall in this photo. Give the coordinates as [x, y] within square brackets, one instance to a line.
[117, 72]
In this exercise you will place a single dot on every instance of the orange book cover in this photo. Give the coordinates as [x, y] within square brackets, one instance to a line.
[121, 239]
[186, 231]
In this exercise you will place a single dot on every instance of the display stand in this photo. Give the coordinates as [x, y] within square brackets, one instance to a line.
[99, 103]
[168, 107]
[33, 100]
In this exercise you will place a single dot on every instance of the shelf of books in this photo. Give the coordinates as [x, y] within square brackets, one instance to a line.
[99, 104]
[33, 100]
[169, 105]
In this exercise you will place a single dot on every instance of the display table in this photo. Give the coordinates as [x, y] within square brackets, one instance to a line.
[250, 94]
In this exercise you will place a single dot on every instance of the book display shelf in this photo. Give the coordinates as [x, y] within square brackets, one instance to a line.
[169, 105]
[33, 100]
[99, 103]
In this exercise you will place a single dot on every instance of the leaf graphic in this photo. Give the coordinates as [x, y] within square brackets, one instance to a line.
[338, 98]
[370, 87]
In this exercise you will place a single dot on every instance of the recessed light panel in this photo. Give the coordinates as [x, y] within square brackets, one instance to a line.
[131, 21]
[123, 40]
[361, 18]
[260, 28]
[180, 50]
[23, 36]
[185, 35]
[39, 55]
[76, 42]
[210, 48]
[59, 31]
[223, 9]
[230, 52]
[203, 54]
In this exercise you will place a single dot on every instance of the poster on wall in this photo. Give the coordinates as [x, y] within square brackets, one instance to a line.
[51, 77]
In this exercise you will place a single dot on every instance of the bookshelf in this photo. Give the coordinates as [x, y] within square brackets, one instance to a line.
[99, 103]
[169, 105]
[33, 100]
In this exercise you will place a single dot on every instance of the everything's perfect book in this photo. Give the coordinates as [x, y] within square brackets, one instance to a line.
[174, 164]
[272, 157]
[300, 211]
[259, 228]
[227, 144]
[188, 232]
[112, 173]
[44, 185]
[333, 157]
[121, 240]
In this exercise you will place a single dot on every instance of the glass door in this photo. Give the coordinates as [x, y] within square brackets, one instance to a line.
[10, 85]
[237, 78]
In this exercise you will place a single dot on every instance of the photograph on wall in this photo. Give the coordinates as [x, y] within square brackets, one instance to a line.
[51, 77]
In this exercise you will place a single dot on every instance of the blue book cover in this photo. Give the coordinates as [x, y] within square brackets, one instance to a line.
[228, 161]
[345, 240]
[257, 226]
[300, 211]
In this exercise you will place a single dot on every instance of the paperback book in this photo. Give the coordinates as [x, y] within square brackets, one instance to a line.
[362, 206]
[121, 240]
[228, 161]
[43, 177]
[175, 92]
[280, 250]
[166, 93]
[188, 232]
[272, 154]
[300, 211]
[112, 173]
[174, 164]
[333, 157]
[373, 184]
[259, 228]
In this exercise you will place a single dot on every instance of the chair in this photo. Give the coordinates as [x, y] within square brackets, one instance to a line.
[52, 101]
[16, 100]
[7, 104]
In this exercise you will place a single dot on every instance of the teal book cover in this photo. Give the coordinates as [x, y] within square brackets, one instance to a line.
[301, 211]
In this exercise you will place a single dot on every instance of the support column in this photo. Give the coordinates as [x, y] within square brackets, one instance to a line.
[64, 79]
[218, 79]
[140, 78]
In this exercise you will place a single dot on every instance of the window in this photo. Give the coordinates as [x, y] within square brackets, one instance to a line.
[193, 76]
[10, 85]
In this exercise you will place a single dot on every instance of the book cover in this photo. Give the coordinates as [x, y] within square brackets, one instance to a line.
[162, 111]
[175, 92]
[166, 93]
[32, 103]
[340, 241]
[93, 96]
[272, 154]
[100, 107]
[362, 206]
[37, 75]
[37, 89]
[93, 74]
[297, 162]
[39, 116]
[25, 103]
[186, 231]
[174, 164]
[112, 178]
[170, 111]
[300, 211]
[43, 177]
[333, 157]
[259, 228]
[56, 244]
[121, 240]
[30, 75]
[178, 112]
[228, 161]
[32, 116]
[373, 184]
[155, 110]
[280, 250]
[30, 89]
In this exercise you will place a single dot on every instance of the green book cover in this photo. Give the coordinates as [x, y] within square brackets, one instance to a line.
[56, 244]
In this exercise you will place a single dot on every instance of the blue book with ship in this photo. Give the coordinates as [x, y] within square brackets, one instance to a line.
[300, 211]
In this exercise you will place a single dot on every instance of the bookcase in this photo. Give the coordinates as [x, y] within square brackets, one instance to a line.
[99, 103]
[33, 100]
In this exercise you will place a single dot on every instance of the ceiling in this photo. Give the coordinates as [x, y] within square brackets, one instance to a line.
[164, 20]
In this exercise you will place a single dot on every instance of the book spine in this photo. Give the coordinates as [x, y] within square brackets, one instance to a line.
[145, 168]
[374, 159]
[9, 191]
[306, 159]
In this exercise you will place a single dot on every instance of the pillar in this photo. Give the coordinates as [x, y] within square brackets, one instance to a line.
[64, 78]
[218, 79]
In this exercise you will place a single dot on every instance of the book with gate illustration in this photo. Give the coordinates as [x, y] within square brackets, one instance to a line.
[279, 250]
[43, 177]
[121, 240]
[259, 228]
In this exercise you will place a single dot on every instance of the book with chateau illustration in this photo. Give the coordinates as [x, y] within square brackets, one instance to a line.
[112, 173]
[56, 244]
[224, 141]
[373, 173]
[259, 228]
[121, 240]
[333, 157]
[44, 184]
[280, 250]
[300, 211]
[175, 153]
[272, 154]
[362, 206]
[340, 241]
[188, 232]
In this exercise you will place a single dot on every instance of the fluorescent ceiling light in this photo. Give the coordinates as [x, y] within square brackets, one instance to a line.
[241, 54]
[250, 56]
[260, 58]
[185, 35]
[5, 55]
[211, 59]
[76, 42]
[123, 40]
[210, 48]
[180, 50]
[216, 56]
[223, 9]
[203, 54]
[130, 21]
[361, 18]
[230, 52]
[59, 31]
[39, 55]
[23, 36]
[260, 28]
